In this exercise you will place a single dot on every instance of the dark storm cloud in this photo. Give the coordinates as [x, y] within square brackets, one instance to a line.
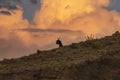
[34, 1]
[47, 30]
[30, 7]
[8, 4]
[9, 7]
[114, 5]
[5, 12]
[12, 7]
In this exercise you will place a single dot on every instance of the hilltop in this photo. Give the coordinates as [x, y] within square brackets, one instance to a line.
[93, 59]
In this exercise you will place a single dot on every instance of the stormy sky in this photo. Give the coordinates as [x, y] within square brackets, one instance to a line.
[28, 25]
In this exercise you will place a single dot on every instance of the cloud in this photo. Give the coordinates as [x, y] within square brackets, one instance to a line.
[114, 5]
[5, 12]
[19, 38]
[9, 20]
[29, 7]
[91, 17]
[71, 20]
[6, 9]
[40, 37]
[2, 44]
[34, 1]
[9, 48]
[9, 7]
[46, 30]
[14, 20]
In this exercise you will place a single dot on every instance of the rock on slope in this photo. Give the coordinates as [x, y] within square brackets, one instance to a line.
[95, 59]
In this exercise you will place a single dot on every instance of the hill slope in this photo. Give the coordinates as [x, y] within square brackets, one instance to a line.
[97, 59]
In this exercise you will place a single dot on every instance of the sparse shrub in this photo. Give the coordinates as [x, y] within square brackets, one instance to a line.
[38, 51]
[117, 33]
[92, 42]
[91, 37]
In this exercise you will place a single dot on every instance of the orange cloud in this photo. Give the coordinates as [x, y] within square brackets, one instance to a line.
[70, 20]
[91, 17]
[9, 23]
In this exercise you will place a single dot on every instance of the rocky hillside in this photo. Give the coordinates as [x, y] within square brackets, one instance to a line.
[94, 59]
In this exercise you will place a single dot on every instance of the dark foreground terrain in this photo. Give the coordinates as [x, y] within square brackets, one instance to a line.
[94, 59]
